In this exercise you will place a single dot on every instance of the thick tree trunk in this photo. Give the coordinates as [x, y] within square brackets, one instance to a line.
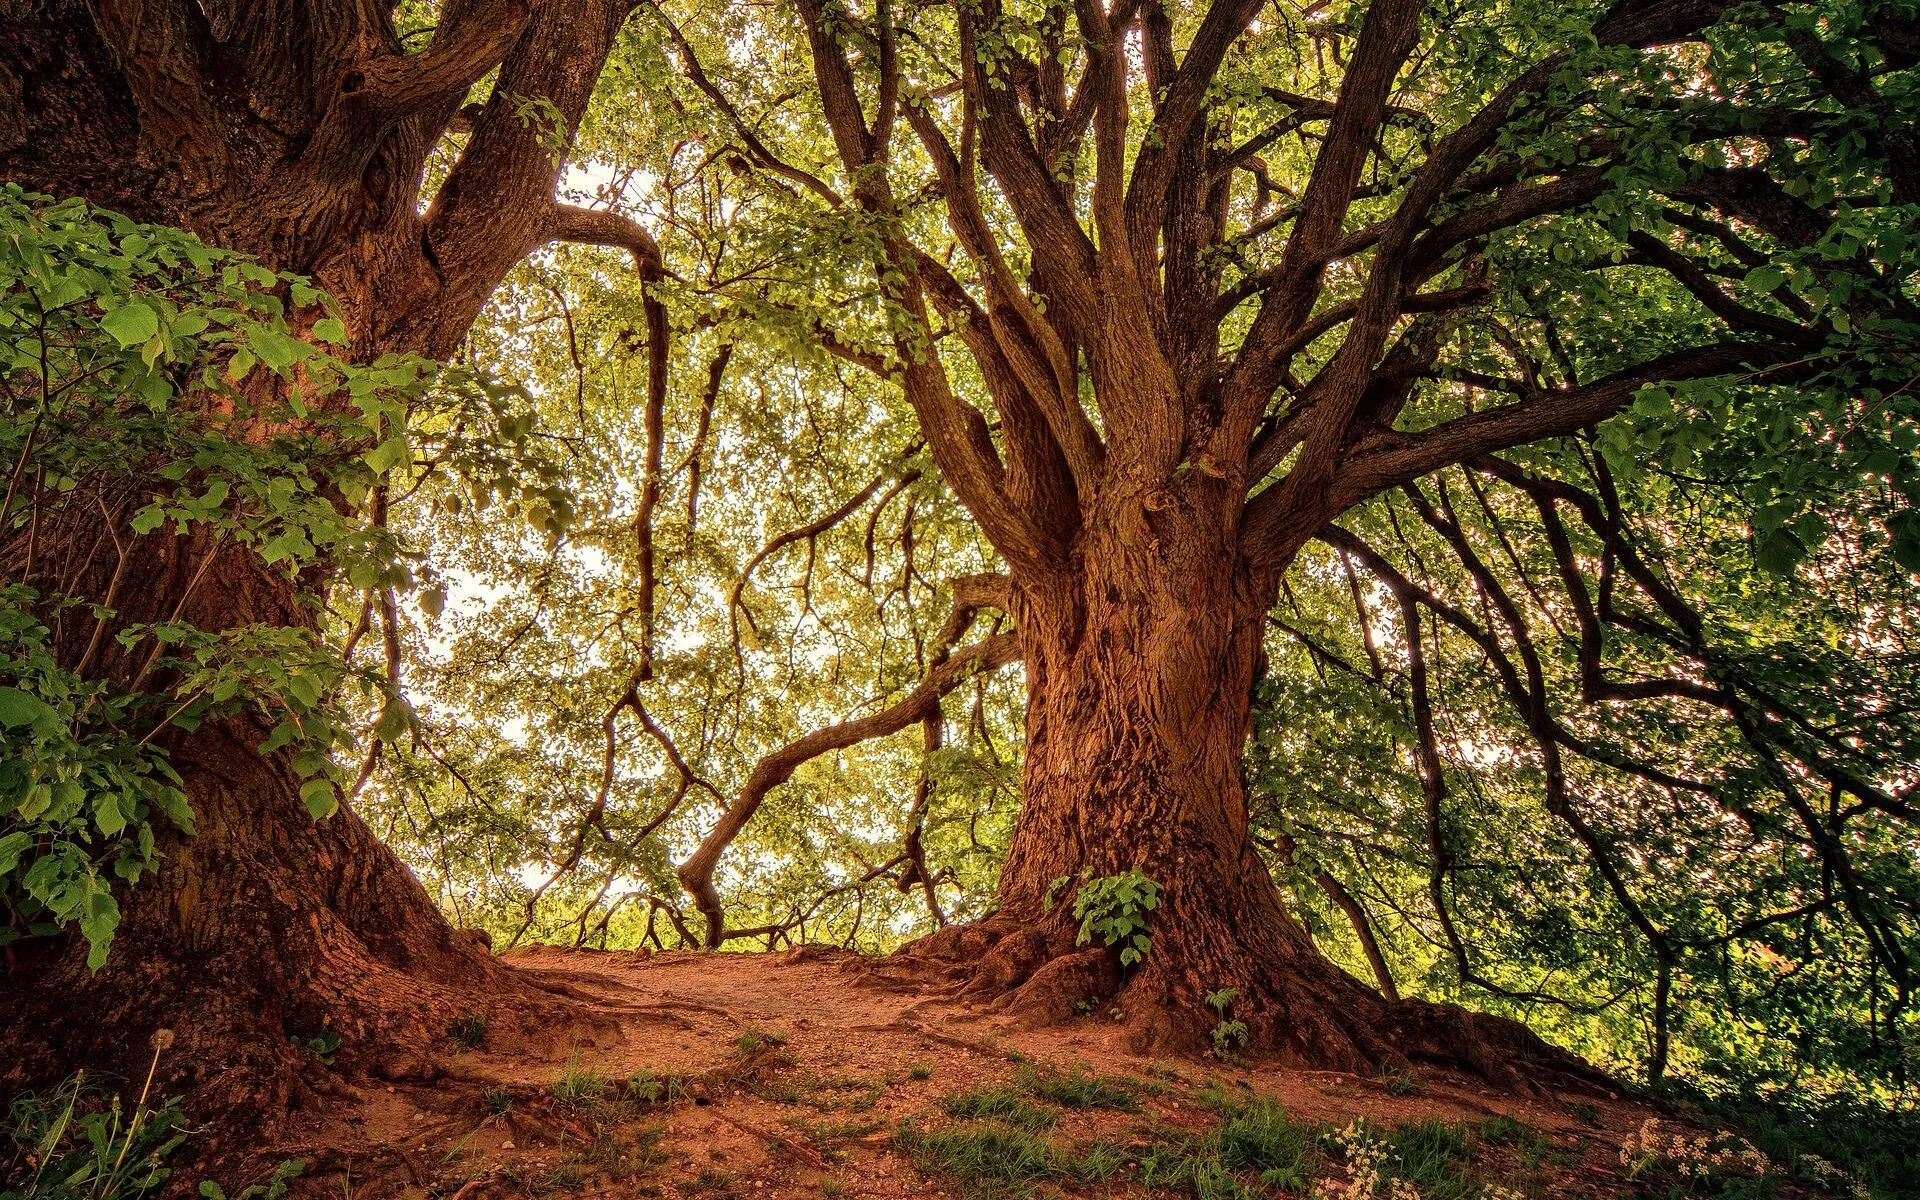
[1140, 672]
[264, 935]
[266, 927]
[299, 134]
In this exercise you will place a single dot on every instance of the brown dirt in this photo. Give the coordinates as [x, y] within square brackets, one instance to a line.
[810, 1116]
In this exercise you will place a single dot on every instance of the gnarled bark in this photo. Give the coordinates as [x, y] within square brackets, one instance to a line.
[1140, 671]
[299, 133]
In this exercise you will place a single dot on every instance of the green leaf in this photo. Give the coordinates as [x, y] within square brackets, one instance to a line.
[149, 518]
[388, 454]
[18, 708]
[304, 688]
[330, 329]
[12, 846]
[276, 349]
[318, 795]
[132, 324]
[395, 719]
[107, 815]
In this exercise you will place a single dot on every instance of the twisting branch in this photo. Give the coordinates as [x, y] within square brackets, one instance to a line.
[376, 95]
[602, 227]
[774, 769]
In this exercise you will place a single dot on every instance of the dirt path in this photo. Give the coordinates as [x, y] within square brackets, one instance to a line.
[764, 1076]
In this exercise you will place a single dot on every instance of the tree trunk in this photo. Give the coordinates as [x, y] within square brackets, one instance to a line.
[299, 134]
[1140, 672]
[265, 938]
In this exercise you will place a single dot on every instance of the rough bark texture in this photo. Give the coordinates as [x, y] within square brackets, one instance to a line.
[1140, 674]
[298, 132]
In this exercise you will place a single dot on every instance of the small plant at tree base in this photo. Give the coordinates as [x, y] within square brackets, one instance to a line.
[646, 1087]
[273, 1187]
[1228, 1034]
[73, 1145]
[498, 1100]
[919, 1071]
[324, 1044]
[469, 1029]
[1114, 908]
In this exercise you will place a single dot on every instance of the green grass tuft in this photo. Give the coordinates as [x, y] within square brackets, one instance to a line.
[1258, 1135]
[580, 1087]
[469, 1030]
[1080, 1089]
[989, 1159]
[1002, 1104]
[1432, 1156]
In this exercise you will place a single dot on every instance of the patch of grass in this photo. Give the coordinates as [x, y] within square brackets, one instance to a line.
[498, 1100]
[579, 1086]
[1529, 1145]
[1193, 1168]
[1080, 1089]
[832, 1188]
[1585, 1113]
[1259, 1135]
[1255, 1140]
[1002, 1104]
[78, 1144]
[758, 1056]
[1404, 1085]
[919, 1071]
[1432, 1156]
[709, 1182]
[562, 1178]
[1256, 1151]
[754, 1043]
[826, 1133]
[469, 1030]
[988, 1159]
[619, 1155]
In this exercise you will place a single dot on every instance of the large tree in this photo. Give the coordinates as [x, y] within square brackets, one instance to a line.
[1171, 287]
[338, 141]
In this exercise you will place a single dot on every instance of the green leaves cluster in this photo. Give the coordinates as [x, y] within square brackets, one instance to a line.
[176, 424]
[85, 790]
[1115, 909]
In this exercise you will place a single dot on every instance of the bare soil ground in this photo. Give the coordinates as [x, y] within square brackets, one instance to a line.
[762, 1077]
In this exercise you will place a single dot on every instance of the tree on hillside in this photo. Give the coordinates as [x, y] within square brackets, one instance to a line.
[337, 141]
[1171, 288]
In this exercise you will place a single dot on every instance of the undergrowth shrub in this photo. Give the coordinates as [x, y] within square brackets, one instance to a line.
[77, 1144]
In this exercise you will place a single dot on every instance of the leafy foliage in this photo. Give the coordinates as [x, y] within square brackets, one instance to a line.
[165, 405]
[1115, 908]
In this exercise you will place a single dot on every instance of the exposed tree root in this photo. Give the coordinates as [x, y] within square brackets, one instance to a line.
[286, 957]
[1299, 1010]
